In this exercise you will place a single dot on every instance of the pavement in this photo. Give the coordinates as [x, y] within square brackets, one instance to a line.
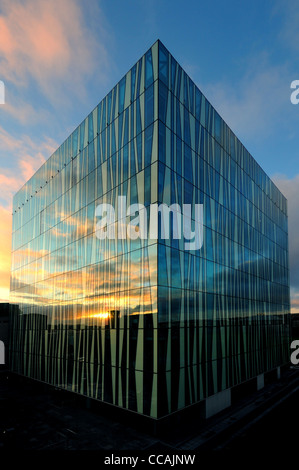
[33, 417]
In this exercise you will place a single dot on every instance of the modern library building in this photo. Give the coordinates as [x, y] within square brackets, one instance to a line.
[150, 324]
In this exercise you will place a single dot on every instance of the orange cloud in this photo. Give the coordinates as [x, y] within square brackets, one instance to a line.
[49, 42]
[28, 156]
[29, 165]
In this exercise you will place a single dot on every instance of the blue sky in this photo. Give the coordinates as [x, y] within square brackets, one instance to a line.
[58, 59]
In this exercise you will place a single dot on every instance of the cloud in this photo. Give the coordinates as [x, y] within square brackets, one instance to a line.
[290, 188]
[25, 156]
[255, 99]
[25, 113]
[50, 43]
[288, 11]
[253, 107]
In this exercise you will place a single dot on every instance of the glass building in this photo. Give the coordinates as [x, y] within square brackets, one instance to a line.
[145, 324]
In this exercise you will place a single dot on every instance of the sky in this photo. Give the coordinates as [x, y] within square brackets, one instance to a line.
[59, 58]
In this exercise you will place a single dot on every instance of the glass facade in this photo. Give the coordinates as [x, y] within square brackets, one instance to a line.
[145, 324]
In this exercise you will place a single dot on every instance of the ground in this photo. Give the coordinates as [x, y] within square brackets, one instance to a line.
[34, 417]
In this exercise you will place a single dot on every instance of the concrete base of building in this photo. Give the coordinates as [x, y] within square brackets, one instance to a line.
[260, 381]
[217, 403]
